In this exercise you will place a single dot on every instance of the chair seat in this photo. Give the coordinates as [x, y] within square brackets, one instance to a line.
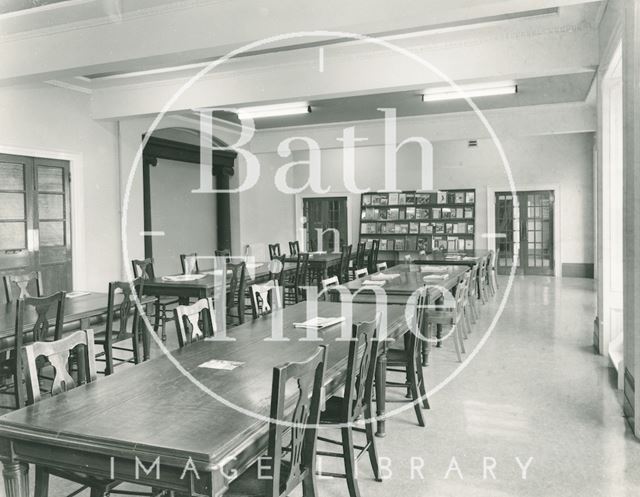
[396, 357]
[249, 483]
[332, 413]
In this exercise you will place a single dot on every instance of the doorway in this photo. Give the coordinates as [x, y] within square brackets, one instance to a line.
[524, 223]
[35, 219]
[326, 223]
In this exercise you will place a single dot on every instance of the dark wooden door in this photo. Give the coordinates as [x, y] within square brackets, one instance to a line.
[524, 226]
[326, 217]
[35, 221]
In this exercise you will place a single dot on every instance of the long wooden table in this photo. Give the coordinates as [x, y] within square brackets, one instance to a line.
[321, 263]
[79, 313]
[153, 413]
[398, 290]
[450, 259]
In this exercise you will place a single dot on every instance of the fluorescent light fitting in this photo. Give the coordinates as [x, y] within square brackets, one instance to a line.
[277, 110]
[469, 91]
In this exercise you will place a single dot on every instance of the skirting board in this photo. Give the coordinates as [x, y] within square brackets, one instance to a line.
[577, 270]
[629, 393]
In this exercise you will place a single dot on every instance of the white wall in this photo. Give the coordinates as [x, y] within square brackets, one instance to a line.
[49, 119]
[187, 219]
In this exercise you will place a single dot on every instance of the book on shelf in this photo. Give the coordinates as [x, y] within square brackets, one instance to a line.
[470, 197]
[411, 212]
[459, 213]
[424, 243]
[447, 213]
[411, 243]
[393, 199]
[438, 227]
[414, 228]
[470, 228]
[459, 197]
[411, 198]
[393, 214]
[439, 243]
[461, 244]
[402, 198]
[399, 244]
[442, 197]
[366, 200]
[462, 228]
[468, 244]
[451, 244]
[383, 244]
[384, 200]
[424, 228]
[451, 197]
[422, 213]
[382, 214]
[468, 213]
[448, 228]
[436, 213]
[401, 214]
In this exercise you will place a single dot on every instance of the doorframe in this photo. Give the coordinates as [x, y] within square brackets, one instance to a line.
[557, 218]
[76, 170]
[299, 211]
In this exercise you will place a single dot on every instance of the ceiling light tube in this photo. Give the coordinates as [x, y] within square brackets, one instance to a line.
[469, 91]
[289, 109]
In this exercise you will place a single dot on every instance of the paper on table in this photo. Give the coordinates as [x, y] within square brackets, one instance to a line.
[319, 323]
[253, 265]
[432, 277]
[384, 276]
[374, 282]
[73, 295]
[219, 364]
[468, 258]
[433, 269]
[184, 277]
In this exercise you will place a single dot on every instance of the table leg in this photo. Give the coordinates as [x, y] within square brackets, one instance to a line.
[381, 392]
[16, 479]
[146, 348]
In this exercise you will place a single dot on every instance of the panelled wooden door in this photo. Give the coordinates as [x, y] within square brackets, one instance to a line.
[35, 219]
[324, 215]
[524, 225]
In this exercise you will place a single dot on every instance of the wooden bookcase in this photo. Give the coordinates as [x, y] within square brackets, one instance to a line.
[411, 221]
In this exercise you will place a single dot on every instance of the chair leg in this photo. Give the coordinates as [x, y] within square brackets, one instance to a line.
[309, 488]
[371, 441]
[108, 360]
[350, 462]
[422, 389]
[457, 345]
[41, 483]
[411, 368]
[459, 336]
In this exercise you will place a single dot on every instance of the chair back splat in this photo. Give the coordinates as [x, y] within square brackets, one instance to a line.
[194, 322]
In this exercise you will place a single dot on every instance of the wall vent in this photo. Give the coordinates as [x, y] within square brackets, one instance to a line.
[473, 143]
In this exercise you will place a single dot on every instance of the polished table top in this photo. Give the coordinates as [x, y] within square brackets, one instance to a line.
[153, 409]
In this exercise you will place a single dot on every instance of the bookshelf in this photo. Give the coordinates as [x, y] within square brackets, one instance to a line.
[410, 221]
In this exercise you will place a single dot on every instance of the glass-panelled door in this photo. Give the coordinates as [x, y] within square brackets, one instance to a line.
[326, 222]
[524, 230]
[35, 231]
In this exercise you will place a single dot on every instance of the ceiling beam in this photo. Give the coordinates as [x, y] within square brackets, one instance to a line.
[69, 44]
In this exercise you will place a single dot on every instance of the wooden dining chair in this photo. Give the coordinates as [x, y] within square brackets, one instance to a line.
[361, 273]
[49, 314]
[492, 279]
[274, 250]
[453, 317]
[358, 262]
[293, 286]
[143, 268]
[277, 269]
[58, 353]
[194, 322]
[265, 298]
[291, 452]
[345, 259]
[235, 293]
[482, 280]
[329, 282]
[16, 285]
[123, 324]
[381, 266]
[294, 247]
[189, 263]
[372, 257]
[407, 360]
[472, 293]
[355, 404]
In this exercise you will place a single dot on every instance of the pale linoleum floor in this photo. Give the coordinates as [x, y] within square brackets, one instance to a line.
[533, 395]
